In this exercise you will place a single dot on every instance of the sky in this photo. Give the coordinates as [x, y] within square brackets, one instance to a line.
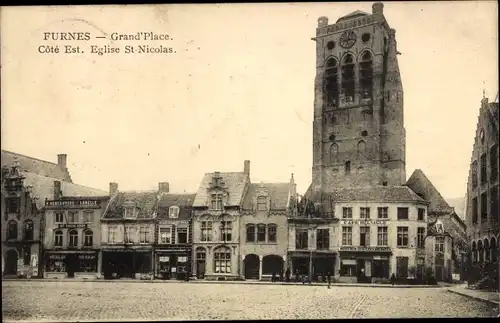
[239, 86]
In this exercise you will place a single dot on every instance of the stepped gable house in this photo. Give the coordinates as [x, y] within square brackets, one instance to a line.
[127, 233]
[174, 238]
[216, 221]
[264, 230]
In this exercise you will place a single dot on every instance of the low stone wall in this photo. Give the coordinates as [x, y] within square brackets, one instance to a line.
[85, 276]
[55, 275]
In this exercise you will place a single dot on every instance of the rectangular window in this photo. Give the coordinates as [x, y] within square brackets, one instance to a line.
[261, 233]
[402, 213]
[112, 234]
[494, 204]
[166, 235]
[493, 163]
[364, 236]
[206, 230]
[88, 216]
[301, 239]
[439, 244]
[72, 217]
[88, 239]
[347, 212]
[13, 205]
[262, 203]
[59, 217]
[73, 239]
[383, 212]
[402, 237]
[222, 262]
[347, 236]
[483, 169]
[364, 212]
[323, 239]
[402, 267]
[474, 174]
[474, 210]
[251, 233]
[216, 201]
[144, 235]
[182, 235]
[382, 236]
[173, 212]
[484, 207]
[58, 241]
[421, 214]
[129, 234]
[226, 230]
[420, 237]
[271, 233]
[129, 213]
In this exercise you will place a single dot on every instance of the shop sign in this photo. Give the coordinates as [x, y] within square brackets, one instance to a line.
[182, 259]
[72, 226]
[164, 259]
[57, 257]
[86, 257]
[365, 221]
[365, 249]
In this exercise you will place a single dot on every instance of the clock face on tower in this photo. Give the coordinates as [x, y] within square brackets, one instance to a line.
[348, 39]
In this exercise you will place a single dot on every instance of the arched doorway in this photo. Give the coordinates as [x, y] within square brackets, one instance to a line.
[252, 264]
[11, 263]
[493, 247]
[487, 253]
[201, 258]
[272, 264]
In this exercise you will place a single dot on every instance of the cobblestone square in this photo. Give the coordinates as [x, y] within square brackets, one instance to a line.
[70, 301]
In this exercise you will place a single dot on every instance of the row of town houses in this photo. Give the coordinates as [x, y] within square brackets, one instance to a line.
[230, 229]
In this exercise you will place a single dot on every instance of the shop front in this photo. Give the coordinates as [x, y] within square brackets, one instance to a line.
[172, 264]
[71, 264]
[322, 264]
[364, 264]
[127, 263]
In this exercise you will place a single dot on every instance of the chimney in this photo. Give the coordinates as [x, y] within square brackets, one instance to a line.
[61, 160]
[113, 188]
[378, 7]
[246, 167]
[57, 190]
[322, 22]
[163, 187]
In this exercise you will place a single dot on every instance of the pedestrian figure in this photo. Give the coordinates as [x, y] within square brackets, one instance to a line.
[287, 275]
[281, 275]
[297, 276]
[328, 277]
[393, 279]
[273, 278]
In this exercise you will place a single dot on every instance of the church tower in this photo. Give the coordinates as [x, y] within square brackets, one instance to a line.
[358, 131]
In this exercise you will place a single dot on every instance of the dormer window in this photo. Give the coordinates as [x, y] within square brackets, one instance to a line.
[216, 201]
[173, 212]
[262, 203]
[129, 212]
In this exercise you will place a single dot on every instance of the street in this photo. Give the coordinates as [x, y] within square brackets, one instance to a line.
[70, 301]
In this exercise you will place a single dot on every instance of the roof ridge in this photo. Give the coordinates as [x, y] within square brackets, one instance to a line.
[38, 159]
[63, 181]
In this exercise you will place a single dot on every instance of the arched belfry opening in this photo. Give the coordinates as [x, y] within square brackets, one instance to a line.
[366, 75]
[331, 86]
[348, 79]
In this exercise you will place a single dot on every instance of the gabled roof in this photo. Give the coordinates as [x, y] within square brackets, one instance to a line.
[355, 14]
[234, 182]
[374, 194]
[277, 192]
[421, 185]
[43, 188]
[183, 201]
[36, 166]
[144, 201]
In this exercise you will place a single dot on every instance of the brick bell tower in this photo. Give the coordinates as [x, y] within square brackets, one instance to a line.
[358, 131]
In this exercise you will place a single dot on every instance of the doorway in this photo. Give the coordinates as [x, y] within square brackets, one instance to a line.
[11, 263]
[72, 265]
[361, 275]
[252, 264]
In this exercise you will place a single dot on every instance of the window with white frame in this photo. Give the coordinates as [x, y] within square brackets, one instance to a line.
[144, 234]
[402, 240]
[173, 212]
[59, 217]
[206, 230]
[216, 201]
[382, 236]
[130, 234]
[271, 233]
[165, 235]
[88, 238]
[439, 244]
[347, 212]
[182, 235]
[364, 212]
[383, 212]
[58, 238]
[73, 238]
[129, 212]
[72, 217]
[347, 236]
[112, 234]
[88, 216]
[226, 231]
[222, 260]
[262, 203]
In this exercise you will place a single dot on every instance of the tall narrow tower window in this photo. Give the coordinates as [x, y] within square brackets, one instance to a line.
[347, 167]
[334, 150]
[366, 75]
[331, 87]
[348, 82]
[361, 147]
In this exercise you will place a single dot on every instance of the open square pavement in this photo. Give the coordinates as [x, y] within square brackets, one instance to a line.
[70, 301]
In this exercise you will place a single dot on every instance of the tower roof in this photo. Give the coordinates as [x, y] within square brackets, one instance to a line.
[355, 14]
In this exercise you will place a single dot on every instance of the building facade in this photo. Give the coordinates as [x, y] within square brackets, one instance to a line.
[482, 213]
[127, 234]
[264, 231]
[216, 221]
[173, 248]
[72, 232]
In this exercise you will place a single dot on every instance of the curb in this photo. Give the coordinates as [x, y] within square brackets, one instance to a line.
[492, 302]
[224, 282]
